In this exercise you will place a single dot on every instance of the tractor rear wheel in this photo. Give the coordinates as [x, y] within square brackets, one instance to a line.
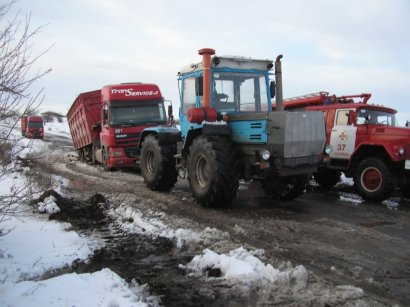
[328, 178]
[285, 188]
[374, 180]
[157, 164]
[213, 171]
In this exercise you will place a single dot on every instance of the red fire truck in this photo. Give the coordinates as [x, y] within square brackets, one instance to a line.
[32, 126]
[106, 124]
[364, 141]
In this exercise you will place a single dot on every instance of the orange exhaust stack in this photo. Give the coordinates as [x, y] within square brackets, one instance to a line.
[206, 65]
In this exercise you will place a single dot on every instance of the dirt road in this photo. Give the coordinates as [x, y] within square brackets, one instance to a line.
[354, 254]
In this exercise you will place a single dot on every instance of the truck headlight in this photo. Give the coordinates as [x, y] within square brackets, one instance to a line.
[265, 155]
[328, 149]
[401, 151]
[115, 153]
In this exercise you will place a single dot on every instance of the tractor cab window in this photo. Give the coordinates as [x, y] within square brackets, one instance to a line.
[189, 94]
[239, 92]
[376, 117]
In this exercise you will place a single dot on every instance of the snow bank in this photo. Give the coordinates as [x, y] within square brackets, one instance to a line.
[102, 288]
[48, 206]
[244, 267]
[35, 246]
[151, 223]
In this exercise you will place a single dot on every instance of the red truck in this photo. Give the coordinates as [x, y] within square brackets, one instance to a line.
[32, 127]
[363, 141]
[106, 124]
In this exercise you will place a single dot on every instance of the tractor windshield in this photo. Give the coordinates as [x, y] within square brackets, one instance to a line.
[239, 92]
[375, 117]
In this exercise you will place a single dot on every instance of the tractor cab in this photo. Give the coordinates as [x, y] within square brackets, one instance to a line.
[236, 84]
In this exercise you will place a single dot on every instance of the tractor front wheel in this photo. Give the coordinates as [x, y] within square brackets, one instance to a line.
[213, 171]
[157, 164]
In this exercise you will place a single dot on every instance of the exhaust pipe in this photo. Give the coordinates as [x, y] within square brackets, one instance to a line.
[278, 81]
[206, 65]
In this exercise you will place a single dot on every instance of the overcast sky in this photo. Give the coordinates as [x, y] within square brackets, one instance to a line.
[343, 47]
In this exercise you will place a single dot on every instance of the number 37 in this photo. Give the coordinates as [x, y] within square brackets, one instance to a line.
[341, 147]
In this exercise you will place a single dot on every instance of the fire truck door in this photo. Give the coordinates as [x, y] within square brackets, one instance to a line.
[343, 136]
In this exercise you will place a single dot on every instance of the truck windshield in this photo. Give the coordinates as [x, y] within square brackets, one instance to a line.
[136, 113]
[35, 125]
[375, 117]
[239, 92]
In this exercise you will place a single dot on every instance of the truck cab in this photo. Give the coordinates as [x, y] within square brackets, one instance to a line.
[363, 140]
[106, 125]
[127, 109]
[34, 127]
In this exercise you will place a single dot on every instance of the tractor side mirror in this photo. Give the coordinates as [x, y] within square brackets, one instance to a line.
[199, 86]
[272, 88]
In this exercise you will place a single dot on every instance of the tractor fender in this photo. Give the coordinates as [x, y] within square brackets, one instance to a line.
[206, 129]
[165, 135]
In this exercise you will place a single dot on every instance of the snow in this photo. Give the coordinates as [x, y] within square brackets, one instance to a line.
[150, 223]
[48, 206]
[243, 266]
[34, 246]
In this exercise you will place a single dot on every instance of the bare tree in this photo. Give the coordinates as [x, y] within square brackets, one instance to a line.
[17, 76]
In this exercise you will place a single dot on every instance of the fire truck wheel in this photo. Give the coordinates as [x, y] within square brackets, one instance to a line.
[213, 171]
[328, 178]
[158, 165]
[285, 188]
[374, 180]
[105, 161]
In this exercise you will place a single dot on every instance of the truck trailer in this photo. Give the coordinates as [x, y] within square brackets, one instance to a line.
[106, 124]
[32, 127]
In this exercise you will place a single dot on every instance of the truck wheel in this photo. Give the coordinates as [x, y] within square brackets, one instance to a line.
[158, 165]
[105, 161]
[374, 180]
[81, 156]
[328, 178]
[285, 188]
[213, 171]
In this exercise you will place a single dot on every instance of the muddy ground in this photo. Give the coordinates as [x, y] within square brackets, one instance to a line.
[342, 244]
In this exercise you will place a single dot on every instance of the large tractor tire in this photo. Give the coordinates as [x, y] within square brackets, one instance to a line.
[213, 171]
[327, 179]
[158, 165]
[285, 188]
[374, 180]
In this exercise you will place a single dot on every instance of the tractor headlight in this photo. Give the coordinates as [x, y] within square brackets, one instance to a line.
[265, 155]
[328, 149]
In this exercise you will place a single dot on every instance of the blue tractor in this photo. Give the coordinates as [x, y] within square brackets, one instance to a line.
[229, 132]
